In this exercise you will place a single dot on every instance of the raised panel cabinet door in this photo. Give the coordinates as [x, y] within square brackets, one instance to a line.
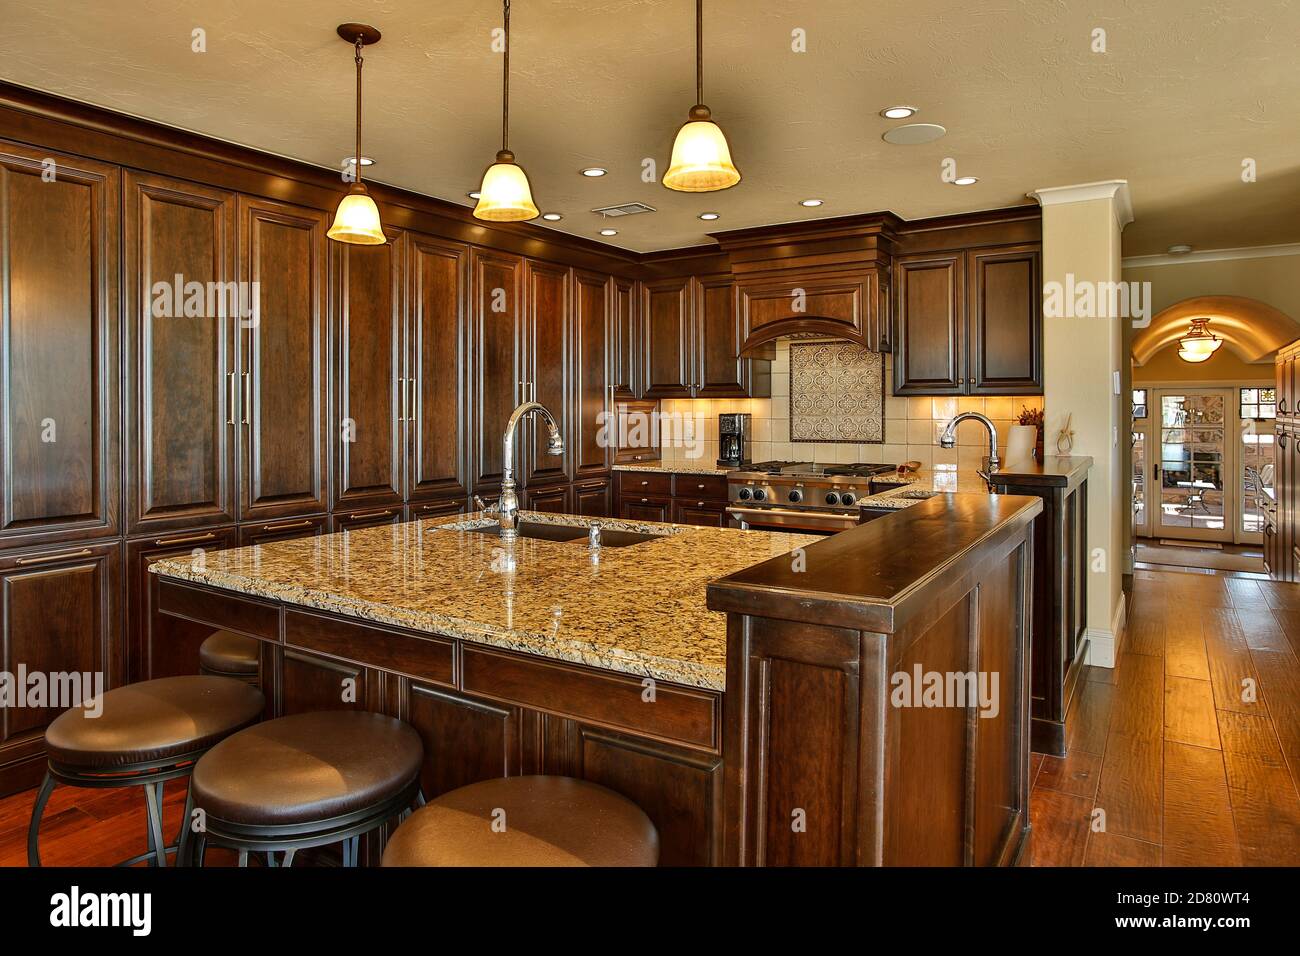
[1006, 322]
[59, 607]
[645, 509]
[553, 499]
[59, 328]
[930, 332]
[497, 362]
[593, 392]
[370, 397]
[310, 683]
[625, 345]
[667, 367]
[719, 370]
[437, 331]
[182, 307]
[161, 645]
[593, 499]
[706, 513]
[821, 302]
[465, 739]
[547, 347]
[284, 458]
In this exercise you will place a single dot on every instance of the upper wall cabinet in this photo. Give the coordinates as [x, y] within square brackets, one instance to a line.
[666, 309]
[282, 386]
[181, 308]
[594, 355]
[546, 357]
[497, 362]
[838, 303]
[59, 218]
[969, 322]
[371, 400]
[626, 342]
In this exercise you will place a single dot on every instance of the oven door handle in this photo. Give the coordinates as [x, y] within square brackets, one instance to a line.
[795, 520]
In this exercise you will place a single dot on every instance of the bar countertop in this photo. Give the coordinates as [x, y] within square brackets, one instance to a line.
[638, 609]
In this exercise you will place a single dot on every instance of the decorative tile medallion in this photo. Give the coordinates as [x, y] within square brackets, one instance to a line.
[837, 393]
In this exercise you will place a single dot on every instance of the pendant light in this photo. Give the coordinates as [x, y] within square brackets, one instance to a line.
[701, 161]
[1199, 343]
[505, 195]
[356, 221]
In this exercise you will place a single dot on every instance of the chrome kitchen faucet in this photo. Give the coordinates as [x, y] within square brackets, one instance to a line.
[507, 507]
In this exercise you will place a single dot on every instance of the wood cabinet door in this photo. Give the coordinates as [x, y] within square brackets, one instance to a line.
[437, 331]
[366, 518]
[466, 739]
[666, 363]
[719, 370]
[284, 458]
[546, 370]
[59, 611]
[314, 683]
[496, 361]
[625, 374]
[161, 645]
[646, 509]
[593, 391]
[593, 499]
[930, 324]
[553, 499]
[436, 509]
[831, 302]
[1005, 319]
[282, 530]
[182, 307]
[710, 514]
[370, 398]
[59, 321]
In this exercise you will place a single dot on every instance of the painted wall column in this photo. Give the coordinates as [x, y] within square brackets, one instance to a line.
[1083, 352]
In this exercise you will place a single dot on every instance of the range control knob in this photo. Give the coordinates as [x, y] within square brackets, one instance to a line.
[832, 498]
[744, 494]
[759, 494]
[796, 495]
[847, 498]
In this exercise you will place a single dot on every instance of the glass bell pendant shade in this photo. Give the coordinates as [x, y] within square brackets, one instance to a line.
[357, 219]
[701, 160]
[505, 195]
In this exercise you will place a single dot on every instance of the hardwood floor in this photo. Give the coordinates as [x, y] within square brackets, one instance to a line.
[1190, 747]
[1188, 752]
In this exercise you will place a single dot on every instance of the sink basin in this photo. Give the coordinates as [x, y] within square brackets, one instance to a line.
[532, 529]
[918, 495]
[621, 539]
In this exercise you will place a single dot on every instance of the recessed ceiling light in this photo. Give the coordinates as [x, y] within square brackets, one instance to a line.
[965, 181]
[594, 172]
[474, 195]
[913, 134]
[811, 202]
[1181, 249]
[351, 161]
[898, 112]
[609, 232]
[552, 216]
[708, 216]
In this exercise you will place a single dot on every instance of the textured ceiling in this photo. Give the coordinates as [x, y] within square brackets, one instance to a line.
[1188, 89]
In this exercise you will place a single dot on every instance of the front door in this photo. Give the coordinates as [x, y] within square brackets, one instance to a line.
[1194, 468]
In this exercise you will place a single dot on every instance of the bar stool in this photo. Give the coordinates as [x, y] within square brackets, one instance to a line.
[227, 654]
[303, 781]
[145, 735]
[526, 821]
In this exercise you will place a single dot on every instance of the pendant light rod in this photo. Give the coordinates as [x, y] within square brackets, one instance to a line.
[356, 157]
[699, 52]
[505, 85]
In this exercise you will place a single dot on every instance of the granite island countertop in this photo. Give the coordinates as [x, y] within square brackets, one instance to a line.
[675, 467]
[637, 610]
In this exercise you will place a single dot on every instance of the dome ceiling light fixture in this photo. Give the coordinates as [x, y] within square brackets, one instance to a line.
[505, 195]
[701, 160]
[356, 221]
[1199, 343]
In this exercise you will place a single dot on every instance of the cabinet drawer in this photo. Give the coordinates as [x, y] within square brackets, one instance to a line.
[707, 487]
[677, 713]
[222, 610]
[636, 484]
[425, 658]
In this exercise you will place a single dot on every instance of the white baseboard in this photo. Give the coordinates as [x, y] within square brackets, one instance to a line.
[1103, 645]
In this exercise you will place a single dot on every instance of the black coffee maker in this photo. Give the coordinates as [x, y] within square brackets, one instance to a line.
[735, 432]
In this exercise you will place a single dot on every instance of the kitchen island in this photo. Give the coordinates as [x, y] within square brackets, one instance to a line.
[544, 656]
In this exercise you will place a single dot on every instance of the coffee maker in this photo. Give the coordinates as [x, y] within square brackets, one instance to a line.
[735, 431]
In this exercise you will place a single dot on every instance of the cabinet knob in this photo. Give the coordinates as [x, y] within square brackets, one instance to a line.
[645, 482]
[644, 500]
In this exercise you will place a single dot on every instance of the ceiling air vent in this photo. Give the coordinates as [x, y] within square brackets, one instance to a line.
[624, 209]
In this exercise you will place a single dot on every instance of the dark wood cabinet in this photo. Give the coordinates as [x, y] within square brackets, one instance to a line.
[645, 508]
[625, 374]
[466, 739]
[160, 646]
[284, 459]
[59, 320]
[310, 682]
[594, 337]
[436, 509]
[498, 380]
[719, 370]
[969, 322]
[180, 354]
[682, 498]
[371, 400]
[60, 611]
[546, 363]
[437, 434]
[367, 518]
[263, 533]
[707, 513]
[830, 302]
[555, 499]
[594, 498]
[666, 320]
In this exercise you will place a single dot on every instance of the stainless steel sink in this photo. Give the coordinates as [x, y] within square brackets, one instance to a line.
[609, 537]
[917, 495]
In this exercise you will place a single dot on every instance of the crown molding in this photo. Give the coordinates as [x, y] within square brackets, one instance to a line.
[1115, 190]
[1213, 255]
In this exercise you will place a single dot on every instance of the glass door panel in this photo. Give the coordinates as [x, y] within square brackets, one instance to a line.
[1193, 461]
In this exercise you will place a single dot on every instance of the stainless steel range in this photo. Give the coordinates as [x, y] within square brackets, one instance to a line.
[803, 495]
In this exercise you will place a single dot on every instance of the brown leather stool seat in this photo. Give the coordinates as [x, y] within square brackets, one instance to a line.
[307, 780]
[143, 735]
[231, 655]
[526, 821]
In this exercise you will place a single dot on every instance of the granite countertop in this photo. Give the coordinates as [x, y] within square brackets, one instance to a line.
[638, 610]
[675, 467]
[923, 485]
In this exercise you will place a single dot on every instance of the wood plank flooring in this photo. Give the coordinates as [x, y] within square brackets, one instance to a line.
[1188, 751]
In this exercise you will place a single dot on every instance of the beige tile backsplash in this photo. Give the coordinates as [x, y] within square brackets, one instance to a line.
[912, 426]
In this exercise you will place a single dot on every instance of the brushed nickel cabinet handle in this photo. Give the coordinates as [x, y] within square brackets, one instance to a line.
[51, 558]
[401, 388]
[413, 406]
[248, 395]
[230, 398]
[186, 539]
[287, 526]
